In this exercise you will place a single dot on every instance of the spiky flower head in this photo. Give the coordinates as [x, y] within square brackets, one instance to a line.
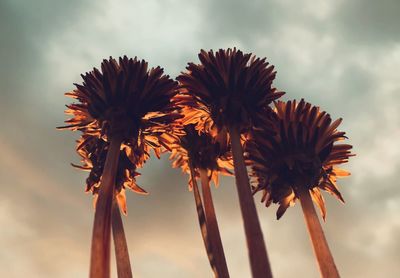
[303, 153]
[93, 152]
[234, 88]
[200, 151]
[128, 100]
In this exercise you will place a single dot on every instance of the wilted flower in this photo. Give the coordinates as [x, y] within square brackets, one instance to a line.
[201, 151]
[127, 105]
[201, 156]
[303, 153]
[127, 100]
[233, 88]
[298, 161]
[93, 151]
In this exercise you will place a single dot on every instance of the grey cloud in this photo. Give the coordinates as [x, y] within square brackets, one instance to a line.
[240, 20]
[25, 26]
[320, 58]
[369, 22]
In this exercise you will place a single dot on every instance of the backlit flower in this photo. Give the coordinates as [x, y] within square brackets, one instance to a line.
[123, 111]
[232, 87]
[93, 152]
[200, 155]
[128, 100]
[234, 91]
[201, 151]
[304, 152]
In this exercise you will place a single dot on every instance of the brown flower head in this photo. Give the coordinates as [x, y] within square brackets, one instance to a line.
[303, 153]
[93, 151]
[201, 151]
[234, 89]
[126, 99]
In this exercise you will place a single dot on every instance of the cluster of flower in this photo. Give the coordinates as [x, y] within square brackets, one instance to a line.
[291, 147]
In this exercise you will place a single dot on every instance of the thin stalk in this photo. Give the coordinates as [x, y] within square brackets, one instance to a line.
[212, 224]
[321, 249]
[202, 222]
[121, 248]
[259, 262]
[101, 237]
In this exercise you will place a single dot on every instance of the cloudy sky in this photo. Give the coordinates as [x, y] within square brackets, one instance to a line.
[341, 55]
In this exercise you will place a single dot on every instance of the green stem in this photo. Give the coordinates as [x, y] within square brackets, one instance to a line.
[101, 237]
[202, 221]
[212, 224]
[121, 248]
[321, 249]
[259, 262]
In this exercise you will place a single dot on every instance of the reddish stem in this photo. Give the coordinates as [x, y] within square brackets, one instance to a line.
[121, 248]
[202, 222]
[212, 225]
[101, 237]
[259, 262]
[320, 245]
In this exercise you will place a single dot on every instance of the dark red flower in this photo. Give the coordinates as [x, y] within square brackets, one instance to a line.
[93, 151]
[234, 89]
[303, 152]
[129, 100]
[201, 151]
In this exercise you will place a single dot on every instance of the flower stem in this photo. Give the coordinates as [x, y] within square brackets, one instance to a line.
[121, 247]
[202, 221]
[212, 224]
[100, 250]
[259, 262]
[321, 249]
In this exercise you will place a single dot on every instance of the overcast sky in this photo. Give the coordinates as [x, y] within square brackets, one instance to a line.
[341, 55]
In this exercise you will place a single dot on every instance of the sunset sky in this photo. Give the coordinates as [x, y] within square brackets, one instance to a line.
[343, 56]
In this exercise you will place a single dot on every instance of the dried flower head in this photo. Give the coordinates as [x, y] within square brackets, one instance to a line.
[127, 100]
[303, 153]
[233, 88]
[93, 151]
[201, 151]
[123, 106]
